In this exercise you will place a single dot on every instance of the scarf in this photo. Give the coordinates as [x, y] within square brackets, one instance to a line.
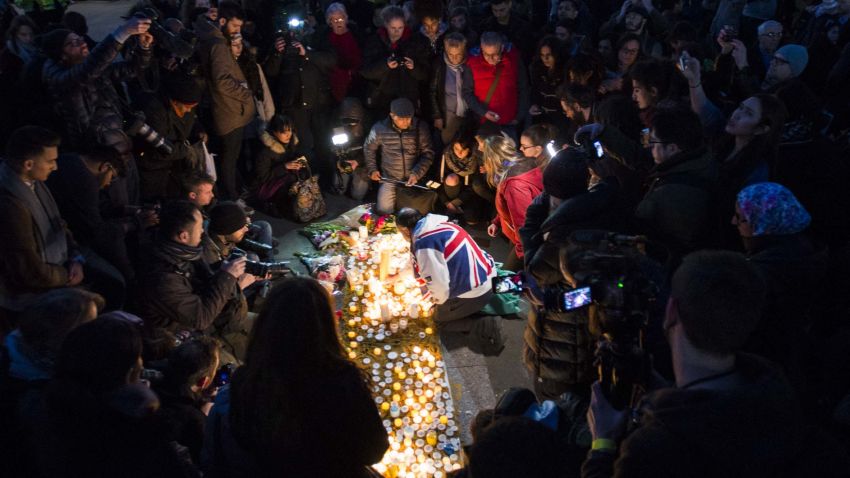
[177, 253]
[24, 51]
[457, 71]
[52, 241]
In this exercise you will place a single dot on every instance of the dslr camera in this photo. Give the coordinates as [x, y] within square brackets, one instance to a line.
[613, 274]
[139, 128]
[164, 38]
[261, 269]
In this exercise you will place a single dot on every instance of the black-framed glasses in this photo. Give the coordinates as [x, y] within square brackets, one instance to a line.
[772, 34]
[781, 60]
[523, 147]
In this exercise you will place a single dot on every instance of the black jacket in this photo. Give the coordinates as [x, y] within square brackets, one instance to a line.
[302, 81]
[160, 173]
[388, 84]
[437, 87]
[402, 152]
[77, 194]
[559, 345]
[753, 430]
[175, 295]
[84, 93]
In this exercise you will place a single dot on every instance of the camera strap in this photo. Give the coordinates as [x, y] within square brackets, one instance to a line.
[493, 85]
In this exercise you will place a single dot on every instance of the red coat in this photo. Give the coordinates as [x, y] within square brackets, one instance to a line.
[349, 60]
[513, 196]
[505, 100]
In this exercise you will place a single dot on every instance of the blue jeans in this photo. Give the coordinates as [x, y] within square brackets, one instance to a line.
[262, 232]
[386, 199]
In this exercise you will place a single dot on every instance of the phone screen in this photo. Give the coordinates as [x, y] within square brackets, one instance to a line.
[577, 298]
[599, 150]
[505, 284]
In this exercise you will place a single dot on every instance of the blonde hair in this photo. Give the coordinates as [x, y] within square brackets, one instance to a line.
[499, 152]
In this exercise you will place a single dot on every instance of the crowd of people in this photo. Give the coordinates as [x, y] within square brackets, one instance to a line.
[147, 331]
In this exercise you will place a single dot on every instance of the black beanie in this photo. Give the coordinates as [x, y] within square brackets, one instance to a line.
[52, 42]
[183, 89]
[566, 175]
[226, 218]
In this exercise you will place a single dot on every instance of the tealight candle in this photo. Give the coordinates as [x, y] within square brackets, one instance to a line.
[363, 232]
[402, 323]
[414, 311]
[399, 288]
[352, 307]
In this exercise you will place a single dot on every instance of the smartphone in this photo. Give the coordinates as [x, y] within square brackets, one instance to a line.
[729, 33]
[683, 61]
[511, 283]
[223, 375]
[577, 298]
[599, 150]
[433, 184]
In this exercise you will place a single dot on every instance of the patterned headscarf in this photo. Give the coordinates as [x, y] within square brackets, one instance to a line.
[772, 210]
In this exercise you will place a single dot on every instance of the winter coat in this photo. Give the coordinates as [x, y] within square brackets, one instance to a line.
[349, 61]
[679, 208]
[270, 162]
[83, 95]
[558, 345]
[303, 81]
[159, 172]
[232, 101]
[174, 295]
[437, 89]
[510, 97]
[23, 269]
[388, 84]
[794, 269]
[77, 194]
[756, 429]
[518, 31]
[402, 152]
[340, 433]
[522, 184]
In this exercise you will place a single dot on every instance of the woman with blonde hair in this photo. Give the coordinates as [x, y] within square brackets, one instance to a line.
[499, 154]
[518, 185]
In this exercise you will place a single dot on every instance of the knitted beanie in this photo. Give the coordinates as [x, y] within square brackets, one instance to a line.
[566, 175]
[226, 218]
[53, 42]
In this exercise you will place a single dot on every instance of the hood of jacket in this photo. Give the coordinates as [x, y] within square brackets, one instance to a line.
[276, 146]
[585, 210]
[755, 429]
[429, 222]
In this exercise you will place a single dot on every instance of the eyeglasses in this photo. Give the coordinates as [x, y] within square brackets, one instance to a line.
[74, 42]
[337, 20]
[772, 34]
[523, 147]
[781, 60]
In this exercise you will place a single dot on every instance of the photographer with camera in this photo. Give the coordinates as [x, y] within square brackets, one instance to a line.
[177, 293]
[348, 147]
[80, 84]
[171, 156]
[390, 63]
[299, 70]
[728, 413]
[558, 349]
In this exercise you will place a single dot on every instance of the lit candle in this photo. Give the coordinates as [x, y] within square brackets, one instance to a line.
[352, 307]
[355, 235]
[402, 323]
[358, 289]
[375, 286]
[414, 311]
[399, 288]
[393, 327]
[385, 311]
[363, 232]
[385, 264]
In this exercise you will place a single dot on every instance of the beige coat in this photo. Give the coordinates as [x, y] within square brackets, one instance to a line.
[232, 102]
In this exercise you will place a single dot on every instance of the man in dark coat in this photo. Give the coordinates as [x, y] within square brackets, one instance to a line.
[728, 413]
[390, 63]
[558, 349]
[176, 292]
[299, 70]
[81, 84]
[160, 169]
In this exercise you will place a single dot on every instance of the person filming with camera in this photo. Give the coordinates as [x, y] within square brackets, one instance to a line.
[728, 413]
[177, 294]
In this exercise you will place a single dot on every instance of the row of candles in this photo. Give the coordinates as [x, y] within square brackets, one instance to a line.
[408, 377]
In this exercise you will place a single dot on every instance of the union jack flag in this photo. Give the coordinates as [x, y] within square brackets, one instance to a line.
[469, 266]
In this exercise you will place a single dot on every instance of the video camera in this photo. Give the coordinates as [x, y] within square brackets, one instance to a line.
[261, 269]
[164, 38]
[613, 273]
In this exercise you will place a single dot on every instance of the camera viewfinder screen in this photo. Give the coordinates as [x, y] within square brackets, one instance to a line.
[577, 298]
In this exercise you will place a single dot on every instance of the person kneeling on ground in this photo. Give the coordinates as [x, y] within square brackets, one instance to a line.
[457, 272]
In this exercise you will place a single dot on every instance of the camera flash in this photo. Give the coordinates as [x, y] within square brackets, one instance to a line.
[339, 137]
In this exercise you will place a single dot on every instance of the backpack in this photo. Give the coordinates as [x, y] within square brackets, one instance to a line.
[307, 200]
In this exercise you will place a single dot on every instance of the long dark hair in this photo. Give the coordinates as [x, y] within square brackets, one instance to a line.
[293, 343]
[538, 68]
